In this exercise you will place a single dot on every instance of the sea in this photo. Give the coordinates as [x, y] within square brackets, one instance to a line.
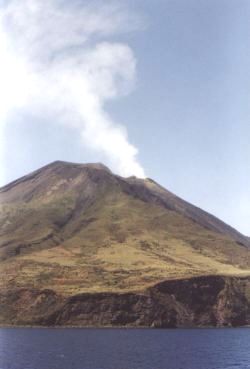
[66, 348]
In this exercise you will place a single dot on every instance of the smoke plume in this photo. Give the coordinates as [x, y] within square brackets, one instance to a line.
[56, 56]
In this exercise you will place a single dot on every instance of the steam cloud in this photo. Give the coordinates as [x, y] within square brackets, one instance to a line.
[53, 57]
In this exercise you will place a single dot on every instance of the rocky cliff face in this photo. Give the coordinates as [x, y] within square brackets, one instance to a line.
[81, 246]
[196, 302]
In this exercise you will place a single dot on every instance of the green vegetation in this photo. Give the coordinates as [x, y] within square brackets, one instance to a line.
[79, 228]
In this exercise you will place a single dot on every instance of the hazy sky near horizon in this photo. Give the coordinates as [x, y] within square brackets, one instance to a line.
[156, 88]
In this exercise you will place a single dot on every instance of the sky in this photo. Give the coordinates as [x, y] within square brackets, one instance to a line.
[157, 89]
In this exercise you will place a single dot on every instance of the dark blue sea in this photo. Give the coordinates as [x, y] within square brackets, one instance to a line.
[124, 349]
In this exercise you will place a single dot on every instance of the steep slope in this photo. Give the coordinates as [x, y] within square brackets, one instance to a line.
[72, 229]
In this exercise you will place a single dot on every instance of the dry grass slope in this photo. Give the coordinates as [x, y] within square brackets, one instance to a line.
[78, 228]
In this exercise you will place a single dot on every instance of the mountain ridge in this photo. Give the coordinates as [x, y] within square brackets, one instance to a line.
[100, 166]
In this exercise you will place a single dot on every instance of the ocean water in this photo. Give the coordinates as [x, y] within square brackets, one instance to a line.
[124, 349]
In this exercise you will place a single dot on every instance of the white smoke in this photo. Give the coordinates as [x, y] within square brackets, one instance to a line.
[53, 56]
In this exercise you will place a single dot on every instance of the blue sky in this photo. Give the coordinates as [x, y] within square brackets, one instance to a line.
[186, 108]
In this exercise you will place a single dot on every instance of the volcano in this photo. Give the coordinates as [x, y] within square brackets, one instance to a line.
[81, 246]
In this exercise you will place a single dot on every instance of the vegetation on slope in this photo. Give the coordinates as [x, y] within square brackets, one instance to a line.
[79, 228]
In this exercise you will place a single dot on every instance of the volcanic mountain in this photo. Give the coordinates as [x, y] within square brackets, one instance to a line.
[82, 246]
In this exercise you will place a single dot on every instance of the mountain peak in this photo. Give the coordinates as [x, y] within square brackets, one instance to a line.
[61, 163]
[87, 181]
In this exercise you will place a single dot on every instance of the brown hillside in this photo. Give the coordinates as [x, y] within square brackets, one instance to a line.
[78, 228]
